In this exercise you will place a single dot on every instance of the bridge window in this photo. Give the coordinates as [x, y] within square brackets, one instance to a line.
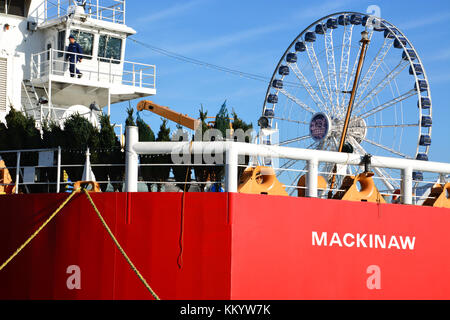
[86, 41]
[61, 42]
[110, 48]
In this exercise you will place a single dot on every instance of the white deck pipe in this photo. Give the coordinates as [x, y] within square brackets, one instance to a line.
[231, 168]
[313, 157]
[131, 160]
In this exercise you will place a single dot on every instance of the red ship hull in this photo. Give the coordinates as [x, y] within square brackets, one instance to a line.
[235, 246]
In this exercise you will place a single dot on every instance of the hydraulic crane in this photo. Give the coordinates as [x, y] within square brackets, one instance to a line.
[165, 112]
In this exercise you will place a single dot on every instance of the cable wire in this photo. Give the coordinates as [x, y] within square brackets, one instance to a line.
[216, 67]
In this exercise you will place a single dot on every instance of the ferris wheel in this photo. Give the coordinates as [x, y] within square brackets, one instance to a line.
[309, 94]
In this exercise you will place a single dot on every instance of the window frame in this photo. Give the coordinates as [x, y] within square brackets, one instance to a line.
[61, 42]
[104, 57]
[76, 34]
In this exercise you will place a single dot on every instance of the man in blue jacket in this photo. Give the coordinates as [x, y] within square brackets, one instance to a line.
[74, 55]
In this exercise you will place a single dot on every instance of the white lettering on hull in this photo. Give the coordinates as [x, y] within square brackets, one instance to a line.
[365, 241]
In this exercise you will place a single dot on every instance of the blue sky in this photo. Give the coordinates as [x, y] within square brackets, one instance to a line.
[251, 36]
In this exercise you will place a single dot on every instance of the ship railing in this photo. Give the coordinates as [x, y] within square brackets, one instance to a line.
[42, 171]
[234, 151]
[122, 179]
[96, 69]
[105, 10]
[389, 186]
[32, 164]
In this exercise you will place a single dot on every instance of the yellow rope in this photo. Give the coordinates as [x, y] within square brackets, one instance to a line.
[39, 230]
[120, 247]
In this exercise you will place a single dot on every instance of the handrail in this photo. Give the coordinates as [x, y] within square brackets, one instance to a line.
[105, 10]
[233, 150]
[101, 69]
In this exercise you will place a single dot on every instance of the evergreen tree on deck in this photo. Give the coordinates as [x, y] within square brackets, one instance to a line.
[223, 120]
[146, 134]
[109, 153]
[222, 124]
[79, 134]
[202, 172]
[163, 172]
[129, 122]
[52, 138]
[20, 133]
[182, 173]
[237, 125]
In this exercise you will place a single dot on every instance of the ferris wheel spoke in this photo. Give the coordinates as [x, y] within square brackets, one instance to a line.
[345, 61]
[296, 179]
[331, 67]
[384, 176]
[387, 179]
[296, 101]
[298, 139]
[362, 103]
[379, 58]
[345, 92]
[393, 126]
[351, 79]
[388, 104]
[300, 76]
[286, 166]
[289, 164]
[293, 121]
[318, 74]
[398, 153]
[312, 146]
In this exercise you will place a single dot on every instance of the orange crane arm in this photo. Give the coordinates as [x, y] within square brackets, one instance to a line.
[167, 113]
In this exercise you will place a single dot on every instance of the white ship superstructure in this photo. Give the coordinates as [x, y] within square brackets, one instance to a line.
[34, 73]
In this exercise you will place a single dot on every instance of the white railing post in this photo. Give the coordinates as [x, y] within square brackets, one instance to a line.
[58, 173]
[39, 66]
[407, 185]
[19, 154]
[131, 160]
[311, 178]
[110, 69]
[140, 78]
[231, 168]
[97, 10]
[87, 166]
[134, 75]
[51, 62]
[98, 69]
[109, 101]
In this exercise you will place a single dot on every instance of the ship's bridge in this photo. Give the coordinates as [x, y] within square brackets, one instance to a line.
[48, 88]
[104, 81]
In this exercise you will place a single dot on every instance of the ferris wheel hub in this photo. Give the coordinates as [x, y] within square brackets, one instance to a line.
[323, 127]
[357, 129]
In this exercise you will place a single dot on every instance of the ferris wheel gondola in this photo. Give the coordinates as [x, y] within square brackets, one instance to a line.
[308, 96]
